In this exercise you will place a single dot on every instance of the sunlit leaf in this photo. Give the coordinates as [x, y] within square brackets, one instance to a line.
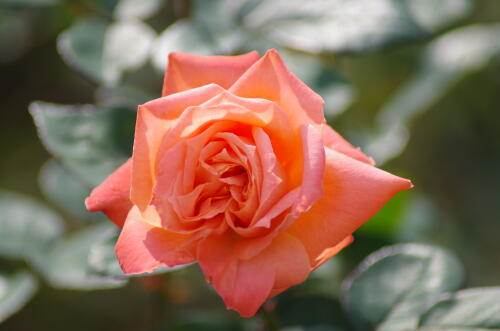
[26, 226]
[16, 290]
[64, 265]
[475, 308]
[337, 92]
[122, 96]
[104, 52]
[102, 258]
[184, 36]
[341, 26]
[136, 9]
[104, 7]
[393, 286]
[65, 189]
[445, 62]
[90, 141]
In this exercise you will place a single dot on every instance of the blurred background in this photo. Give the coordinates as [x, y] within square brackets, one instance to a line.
[415, 83]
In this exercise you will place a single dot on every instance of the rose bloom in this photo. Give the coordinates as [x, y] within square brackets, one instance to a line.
[235, 168]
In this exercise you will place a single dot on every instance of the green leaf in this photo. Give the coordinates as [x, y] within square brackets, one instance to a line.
[15, 291]
[65, 265]
[102, 258]
[26, 226]
[393, 286]
[104, 52]
[446, 61]
[122, 96]
[388, 220]
[136, 9]
[66, 190]
[337, 92]
[104, 7]
[475, 308]
[342, 26]
[185, 36]
[91, 142]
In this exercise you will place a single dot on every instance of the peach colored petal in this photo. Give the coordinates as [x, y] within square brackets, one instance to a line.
[176, 173]
[354, 192]
[186, 71]
[313, 155]
[333, 140]
[227, 107]
[112, 197]
[244, 285]
[331, 251]
[153, 120]
[273, 185]
[143, 247]
[295, 201]
[270, 79]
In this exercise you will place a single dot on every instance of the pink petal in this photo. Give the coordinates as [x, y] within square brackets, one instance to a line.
[313, 154]
[143, 247]
[333, 140]
[354, 192]
[244, 285]
[112, 197]
[273, 186]
[331, 251]
[270, 79]
[186, 71]
[153, 120]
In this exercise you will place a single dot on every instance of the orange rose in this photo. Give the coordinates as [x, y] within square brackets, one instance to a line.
[236, 169]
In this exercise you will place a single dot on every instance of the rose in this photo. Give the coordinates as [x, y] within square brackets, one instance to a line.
[236, 169]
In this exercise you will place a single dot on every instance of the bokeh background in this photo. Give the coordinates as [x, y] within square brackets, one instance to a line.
[415, 83]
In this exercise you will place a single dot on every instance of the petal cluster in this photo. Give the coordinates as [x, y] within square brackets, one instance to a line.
[235, 168]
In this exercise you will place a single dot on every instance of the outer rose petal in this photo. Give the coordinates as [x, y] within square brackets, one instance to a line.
[354, 192]
[143, 247]
[333, 140]
[186, 71]
[246, 284]
[112, 197]
[270, 79]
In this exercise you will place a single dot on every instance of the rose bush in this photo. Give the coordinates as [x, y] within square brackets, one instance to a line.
[235, 168]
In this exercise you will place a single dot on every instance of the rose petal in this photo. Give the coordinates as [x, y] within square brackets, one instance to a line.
[333, 140]
[112, 197]
[270, 79]
[273, 186]
[354, 192]
[313, 155]
[186, 71]
[244, 285]
[143, 247]
[331, 251]
[153, 120]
